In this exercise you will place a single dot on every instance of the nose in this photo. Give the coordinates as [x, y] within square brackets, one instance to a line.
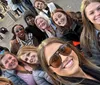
[63, 57]
[10, 61]
[97, 12]
[59, 21]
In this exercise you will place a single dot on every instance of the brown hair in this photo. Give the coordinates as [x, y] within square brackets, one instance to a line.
[88, 33]
[41, 56]
[68, 16]
[2, 79]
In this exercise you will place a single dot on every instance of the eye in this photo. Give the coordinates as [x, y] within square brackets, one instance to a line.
[92, 12]
[20, 28]
[17, 31]
[98, 8]
[59, 15]
[10, 57]
[26, 59]
[6, 62]
[56, 19]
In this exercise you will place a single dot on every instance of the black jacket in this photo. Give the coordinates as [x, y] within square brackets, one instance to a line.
[92, 72]
[73, 34]
[36, 32]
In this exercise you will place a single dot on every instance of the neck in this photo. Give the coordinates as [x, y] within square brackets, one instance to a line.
[48, 27]
[97, 27]
[23, 38]
[82, 74]
[20, 68]
[79, 73]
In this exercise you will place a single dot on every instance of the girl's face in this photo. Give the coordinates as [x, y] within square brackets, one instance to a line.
[61, 59]
[39, 5]
[30, 20]
[19, 31]
[4, 83]
[41, 23]
[30, 57]
[9, 61]
[93, 12]
[60, 19]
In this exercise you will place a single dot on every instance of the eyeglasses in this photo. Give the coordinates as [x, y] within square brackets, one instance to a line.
[55, 60]
[18, 30]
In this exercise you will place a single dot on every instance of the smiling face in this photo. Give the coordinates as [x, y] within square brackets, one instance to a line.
[30, 20]
[60, 19]
[30, 57]
[93, 12]
[69, 64]
[9, 61]
[19, 31]
[41, 23]
[39, 5]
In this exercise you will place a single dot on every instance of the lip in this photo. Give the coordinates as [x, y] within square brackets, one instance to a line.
[68, 63]
[12, 63]
[96, 18]
[21, 34]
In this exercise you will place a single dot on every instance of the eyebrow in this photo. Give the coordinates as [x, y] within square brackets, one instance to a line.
[95, 9]
[28, 54]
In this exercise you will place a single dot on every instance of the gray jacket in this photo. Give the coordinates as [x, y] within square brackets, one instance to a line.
[42, 78]
[94, 54]
[10, 74]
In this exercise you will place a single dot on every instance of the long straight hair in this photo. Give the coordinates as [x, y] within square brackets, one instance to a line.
[56, 78]
[88, 33]
[69, 18]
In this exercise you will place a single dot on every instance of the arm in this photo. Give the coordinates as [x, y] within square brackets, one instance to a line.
[14, 46]
[42, 78]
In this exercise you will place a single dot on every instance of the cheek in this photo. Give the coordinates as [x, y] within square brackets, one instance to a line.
[7, 66]
[55, 70]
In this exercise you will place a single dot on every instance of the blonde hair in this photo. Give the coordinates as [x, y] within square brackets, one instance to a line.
[25, 49]
[3, 79]
[43, 16]
[88, 32]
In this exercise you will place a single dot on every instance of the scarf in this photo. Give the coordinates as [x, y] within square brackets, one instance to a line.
[28, 40]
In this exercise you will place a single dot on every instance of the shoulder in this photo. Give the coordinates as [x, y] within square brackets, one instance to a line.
[13, 41]
[38, 73]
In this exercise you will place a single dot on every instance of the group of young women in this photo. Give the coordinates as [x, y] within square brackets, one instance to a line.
[54, 60]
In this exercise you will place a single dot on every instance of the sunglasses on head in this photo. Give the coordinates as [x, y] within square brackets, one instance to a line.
[55, 60]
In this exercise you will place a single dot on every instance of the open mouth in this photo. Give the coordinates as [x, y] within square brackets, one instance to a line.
[21, 34]
[68, 64]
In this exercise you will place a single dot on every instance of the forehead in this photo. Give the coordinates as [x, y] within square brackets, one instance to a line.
[51, 49]
[17, 27]
[36, 3]
[40, 18]
[6, 57]
[92, 6]
[28, 54]
[29, 17]
[58, 13]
